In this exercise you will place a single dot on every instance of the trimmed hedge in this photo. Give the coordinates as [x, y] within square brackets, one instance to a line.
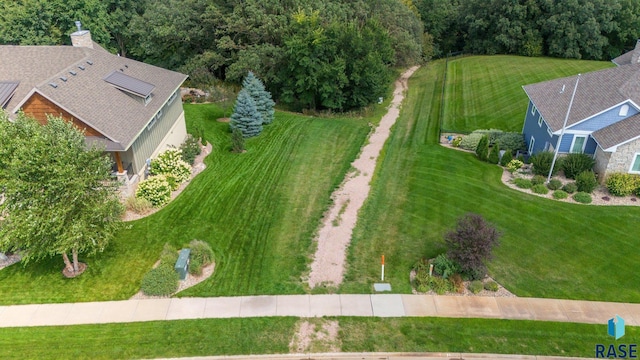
[470, 142]
[511, 140]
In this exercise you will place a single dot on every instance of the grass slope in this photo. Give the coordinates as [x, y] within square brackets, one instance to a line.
[549, 249]
[272, 335]
[258, 210]
[486, 91]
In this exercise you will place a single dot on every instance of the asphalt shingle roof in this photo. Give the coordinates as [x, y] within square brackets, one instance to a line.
[618, 133]
[6, 90]
[114, 113]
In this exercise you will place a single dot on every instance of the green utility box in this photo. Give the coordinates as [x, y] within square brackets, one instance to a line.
[182, 265]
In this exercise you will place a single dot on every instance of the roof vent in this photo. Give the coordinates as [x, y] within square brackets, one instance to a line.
[81, 67]
[63, 78]
[73, 72]
[89, 62]
[127, 66]
[53, 85]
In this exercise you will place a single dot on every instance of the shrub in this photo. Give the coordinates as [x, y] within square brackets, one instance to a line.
[538, 179]
[554, 184]
[198, 133]
[570, 188]
[155, 189]
[201, 256]
[586, 181]
[559, 195]
[522, 159]
[439, 285]
[482, 151]
[138, 205]
[621, 184]
[444, 266]
[494, 154]
[523, 183]
[471, 244]
[514, 165]
[456, 142]
[161, 281]
[470, 142]
[512, 140]
[542, 163]
[190, 149]
[491, 286]
[457, 284]
[237, 141]
[168, 256]
[492, 134]
[171, 165]
[575, 163]
[582, 197]
[506, 158]
[540, 189]
[476, 286]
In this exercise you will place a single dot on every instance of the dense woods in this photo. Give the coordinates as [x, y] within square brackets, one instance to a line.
[329, 54]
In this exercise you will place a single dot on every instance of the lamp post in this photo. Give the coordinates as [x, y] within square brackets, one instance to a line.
[564, 125]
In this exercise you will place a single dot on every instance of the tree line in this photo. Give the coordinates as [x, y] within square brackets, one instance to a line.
[325, 54]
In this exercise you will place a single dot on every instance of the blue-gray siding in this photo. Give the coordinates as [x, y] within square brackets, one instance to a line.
[605, 119]
[540, 133]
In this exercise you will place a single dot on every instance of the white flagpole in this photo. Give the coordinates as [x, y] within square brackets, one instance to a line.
[564, 125]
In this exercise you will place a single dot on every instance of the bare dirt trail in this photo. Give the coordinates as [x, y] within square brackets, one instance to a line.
[335, 234]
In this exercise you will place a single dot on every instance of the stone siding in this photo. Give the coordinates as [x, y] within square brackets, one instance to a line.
[620, 161]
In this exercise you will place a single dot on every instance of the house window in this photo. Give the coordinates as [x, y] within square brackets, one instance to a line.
[173, 97]
[578, 143]
[635, 166]
[533, 109]
[549, 132]
[624, 110]
[540, 119]
[531, 143]
[152, 123]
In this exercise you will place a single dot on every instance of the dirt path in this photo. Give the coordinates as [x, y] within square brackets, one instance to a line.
[334, 236]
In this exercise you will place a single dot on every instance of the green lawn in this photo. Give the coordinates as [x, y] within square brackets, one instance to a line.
[258, 210]
[272, 335]
[486, 91]
[549, 249]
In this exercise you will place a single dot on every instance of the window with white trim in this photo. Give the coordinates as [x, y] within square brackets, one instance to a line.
[549, 132]
[540, 120]
[531, 143]
[173, 97]
[533, 109]
[578, 143]
[624, 110]
[635, 165]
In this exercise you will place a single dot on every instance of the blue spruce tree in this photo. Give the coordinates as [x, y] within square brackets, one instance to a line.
[246, 117]
[262, 98]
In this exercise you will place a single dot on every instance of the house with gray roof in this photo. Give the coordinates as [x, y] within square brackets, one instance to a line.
[604, 120]
[132, 109]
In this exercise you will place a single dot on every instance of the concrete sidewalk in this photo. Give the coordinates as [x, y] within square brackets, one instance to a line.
[378, 305]
[382, 356]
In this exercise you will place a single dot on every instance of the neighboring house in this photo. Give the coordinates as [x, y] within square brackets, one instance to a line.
[131, 108]
[604, 120]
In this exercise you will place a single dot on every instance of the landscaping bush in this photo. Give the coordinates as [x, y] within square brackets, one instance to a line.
[444, 266]
[582, 197]
[575, 163]
[476, 286]
[471, 244]
[491, 286]
[482, 151]
[538, 179]
[514, 165]
[621, 184]
[554, 184]
[522, 159]
[470, 142]
[456, 283]
[586, 181]
[523, 183]
[171, 165]
[161, 281]
[155, 189]
[492, 134]
[168, 256]
[542, 163]
[540, 189]
[512, 140]
[138, 205]
[190, 149]
[201, 256]
[506, 158]
[560, 194]
[494, 154]
[456, 142]
[439, 285]
[570, 188]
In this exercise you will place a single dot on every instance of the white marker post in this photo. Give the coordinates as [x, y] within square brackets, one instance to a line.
[382, 268]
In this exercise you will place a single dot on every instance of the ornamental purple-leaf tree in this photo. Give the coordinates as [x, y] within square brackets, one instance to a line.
[471, 244]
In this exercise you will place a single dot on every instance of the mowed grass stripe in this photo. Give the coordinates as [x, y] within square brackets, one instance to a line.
[486, 91]
[548, 249]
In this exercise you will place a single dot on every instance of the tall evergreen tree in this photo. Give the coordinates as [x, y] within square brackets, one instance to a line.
[262, 98]
[245, 116]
